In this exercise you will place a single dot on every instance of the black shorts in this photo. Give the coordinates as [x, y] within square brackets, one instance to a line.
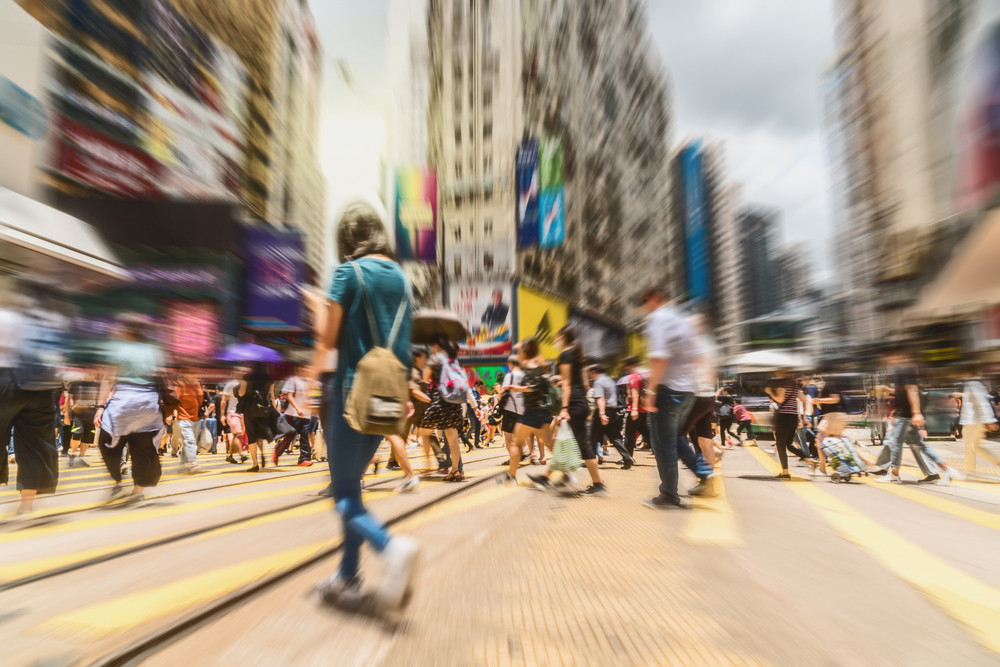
[699, 422]
[535, 418]
[83, 427]
[509, 421]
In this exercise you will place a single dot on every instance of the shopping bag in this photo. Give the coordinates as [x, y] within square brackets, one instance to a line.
[566, 452]
[204, 440]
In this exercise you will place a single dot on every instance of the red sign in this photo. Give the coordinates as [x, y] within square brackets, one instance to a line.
[101, 162]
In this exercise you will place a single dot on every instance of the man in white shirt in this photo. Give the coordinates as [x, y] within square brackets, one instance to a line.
[976, 418]
[298, 414]
[511, 402]
[669, 394]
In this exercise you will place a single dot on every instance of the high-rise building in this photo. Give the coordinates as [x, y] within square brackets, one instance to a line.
[793, 274]
[279, 45]
[896, 111]
[588, 75]
[757, 229]
[707, 251]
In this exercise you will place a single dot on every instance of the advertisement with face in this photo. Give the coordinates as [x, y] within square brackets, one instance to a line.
[486, 310]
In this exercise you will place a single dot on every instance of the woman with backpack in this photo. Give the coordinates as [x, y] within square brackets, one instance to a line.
[443, 373]
[575, 410]
[368, 314]
[255, 401]
[536, 419]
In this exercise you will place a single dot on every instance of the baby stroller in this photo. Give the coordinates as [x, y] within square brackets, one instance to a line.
[843, 458]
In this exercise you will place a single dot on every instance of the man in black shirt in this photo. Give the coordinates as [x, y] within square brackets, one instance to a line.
[909, 419]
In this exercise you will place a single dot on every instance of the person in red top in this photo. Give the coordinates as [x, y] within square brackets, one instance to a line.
[744, 422]
[636, 419]
[192, 395]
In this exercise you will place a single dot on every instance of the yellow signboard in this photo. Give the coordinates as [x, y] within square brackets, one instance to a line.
[636, 343]
[540, 316]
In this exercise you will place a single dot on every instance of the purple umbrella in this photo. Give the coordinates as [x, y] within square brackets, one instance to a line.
[249, 353]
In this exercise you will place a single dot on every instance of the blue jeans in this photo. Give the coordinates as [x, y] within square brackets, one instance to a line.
[903, 432]
[189, 440]
[349, 453]
[669, 444]
[212, 424]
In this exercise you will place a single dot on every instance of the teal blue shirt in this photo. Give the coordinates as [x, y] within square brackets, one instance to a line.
[386, 287]
[137, 363]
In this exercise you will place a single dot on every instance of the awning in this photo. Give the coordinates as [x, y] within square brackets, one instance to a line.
[971, 278]
[41, 241]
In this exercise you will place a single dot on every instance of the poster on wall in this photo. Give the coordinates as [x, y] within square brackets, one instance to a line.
[527, 193]
[192, 330]
[416, 214]
[541, 317]
[274, 262]
[486, 310]
[552, 229]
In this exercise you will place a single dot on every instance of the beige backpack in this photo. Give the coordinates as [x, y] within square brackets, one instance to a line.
[377, 401]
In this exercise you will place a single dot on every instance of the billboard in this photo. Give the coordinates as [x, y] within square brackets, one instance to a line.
[103, 163]
[192, 329]
[552, 227]
[979, 171]
[527, 193]
[416, 214]
[540, 316]
[597, 341]
[486, 310]
[698, 270]
[273, 261]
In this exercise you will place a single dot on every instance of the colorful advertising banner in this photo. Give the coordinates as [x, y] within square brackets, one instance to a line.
[274, 262]
[490, 375]
[696, 243]
[541, 317]
[486, 310]
[416, 214]
[527, 193]
[192, 330]
[91, 158]
[552, 230]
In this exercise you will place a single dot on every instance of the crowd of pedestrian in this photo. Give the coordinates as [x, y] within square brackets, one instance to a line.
[136, 408]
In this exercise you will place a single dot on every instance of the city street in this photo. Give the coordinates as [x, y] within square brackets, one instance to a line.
[217, 568]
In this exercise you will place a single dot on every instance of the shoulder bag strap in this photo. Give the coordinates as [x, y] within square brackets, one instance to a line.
[376, 336]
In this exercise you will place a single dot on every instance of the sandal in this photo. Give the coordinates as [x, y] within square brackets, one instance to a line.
[455, 477]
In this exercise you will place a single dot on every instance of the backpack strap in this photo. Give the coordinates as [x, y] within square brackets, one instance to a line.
[376, 336]
[400, 312]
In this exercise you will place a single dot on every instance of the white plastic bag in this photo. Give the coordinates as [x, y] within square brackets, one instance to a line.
[566, 452]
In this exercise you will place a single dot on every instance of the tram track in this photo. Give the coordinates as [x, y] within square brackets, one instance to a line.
[204, 531]
[136, 651]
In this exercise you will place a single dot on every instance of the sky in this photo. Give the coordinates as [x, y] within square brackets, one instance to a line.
[747, 72]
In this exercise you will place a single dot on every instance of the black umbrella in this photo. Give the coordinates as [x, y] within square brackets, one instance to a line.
[430, 325]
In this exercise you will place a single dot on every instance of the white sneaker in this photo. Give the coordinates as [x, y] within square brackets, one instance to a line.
[816, 472]
[767, 450]
[951, 474]
[400, 556]
[889, 478]
[409, 486]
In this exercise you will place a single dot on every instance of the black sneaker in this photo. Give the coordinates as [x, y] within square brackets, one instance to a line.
[929, 479]
[661, 502]
[392, 465]
[597, 489]
[541, 481]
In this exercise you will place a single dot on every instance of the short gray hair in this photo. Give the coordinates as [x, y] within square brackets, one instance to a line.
[361, 232]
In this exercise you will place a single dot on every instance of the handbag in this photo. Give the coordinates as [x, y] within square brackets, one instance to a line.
[566, 452]
[166, 389]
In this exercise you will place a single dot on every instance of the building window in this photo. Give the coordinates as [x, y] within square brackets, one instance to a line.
[488, 130]
[488, 228]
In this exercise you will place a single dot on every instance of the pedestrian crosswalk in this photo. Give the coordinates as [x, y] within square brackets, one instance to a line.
[294, 526]
[971, 601]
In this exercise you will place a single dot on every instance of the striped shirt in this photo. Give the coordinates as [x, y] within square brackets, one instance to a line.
[790, 405]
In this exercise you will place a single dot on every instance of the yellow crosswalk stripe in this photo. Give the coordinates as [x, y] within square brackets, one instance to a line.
[149, 513]
[136, 609]
[936, 502]
[9, 573]
[712, 521]
[970, 601]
